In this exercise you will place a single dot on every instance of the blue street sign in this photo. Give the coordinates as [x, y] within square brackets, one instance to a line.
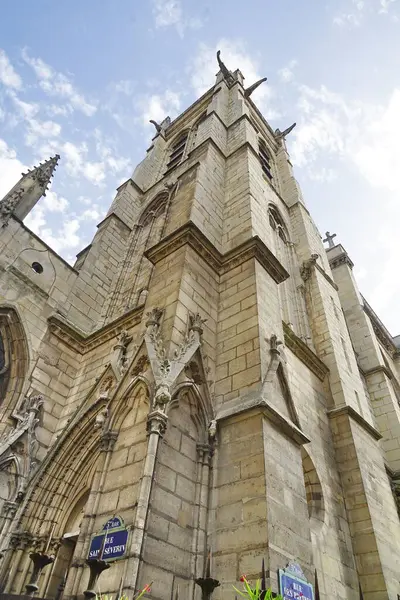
[115, 543]
[293, 584]
[113, 523]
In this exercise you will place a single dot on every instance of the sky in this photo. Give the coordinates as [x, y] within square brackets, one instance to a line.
[82, 79]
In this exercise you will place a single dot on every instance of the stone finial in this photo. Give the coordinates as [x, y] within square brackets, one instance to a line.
[196, 323]
[154, 317]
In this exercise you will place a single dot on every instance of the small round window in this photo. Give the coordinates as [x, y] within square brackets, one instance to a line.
[37, 267]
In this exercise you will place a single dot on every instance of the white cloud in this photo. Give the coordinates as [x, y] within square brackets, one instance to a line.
[367, 137]
[58, 84]
[286, 73]
[41, 129]
[169, 13]
[66, 237]
[54, 203]
[8, 76]
[26, 109]
[35, 220]
[158, 106]
[355, 11]
[10, 168]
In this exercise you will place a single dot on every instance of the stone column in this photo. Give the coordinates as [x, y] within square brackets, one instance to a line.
[156, 425]
[201, 515]
[8, 513]
[107, 444]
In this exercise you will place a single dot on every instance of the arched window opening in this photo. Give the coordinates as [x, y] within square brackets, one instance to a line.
[265, 158]
[153, 210]
[314, 495]
[177, 150]
[13, 357]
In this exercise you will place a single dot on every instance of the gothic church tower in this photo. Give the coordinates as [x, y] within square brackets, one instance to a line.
[205, 381]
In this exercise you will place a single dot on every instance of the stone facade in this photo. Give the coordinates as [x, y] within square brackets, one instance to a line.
[207, 371]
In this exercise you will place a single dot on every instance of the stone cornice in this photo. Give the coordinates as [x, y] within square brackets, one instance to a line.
[379, 369]
[341, 259]
[304, 353]
[82, 342]
[189, 234]
[257, 404]
[353, 414]
[380, 330]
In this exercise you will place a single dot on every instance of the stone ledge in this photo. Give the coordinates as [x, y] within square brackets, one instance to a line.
[378, 369]
[380, 330]
[82, 342]
[256, 404]
[117, 218]
[27, 281]
[189, 234]
[304, 353]
[353, 414]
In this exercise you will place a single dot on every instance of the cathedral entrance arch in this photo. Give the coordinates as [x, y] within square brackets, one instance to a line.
[66, 551]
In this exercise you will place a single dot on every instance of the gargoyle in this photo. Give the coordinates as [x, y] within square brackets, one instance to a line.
[252, 88]
[225, 72]
[280, 135]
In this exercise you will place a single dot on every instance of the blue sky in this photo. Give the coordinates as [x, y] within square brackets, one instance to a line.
[83, 79]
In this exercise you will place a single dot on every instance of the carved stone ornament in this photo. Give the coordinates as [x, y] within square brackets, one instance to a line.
[106, 385]
[196, 323]
[8, 205]
[108, 440]
[274, 344]
[141, 365]
[154, 317]
[306, 269]
[162, 396]
[118, 360]
[101, 418]
[212, 430]
[157, 423]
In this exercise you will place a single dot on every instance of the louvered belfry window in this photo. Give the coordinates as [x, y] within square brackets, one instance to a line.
[177, 151]
[264, 157]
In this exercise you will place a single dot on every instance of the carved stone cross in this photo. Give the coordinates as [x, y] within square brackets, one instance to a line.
[329, 239]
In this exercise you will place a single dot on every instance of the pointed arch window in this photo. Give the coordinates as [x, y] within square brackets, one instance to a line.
[177, 150]
[265, 158]
[13, 357]
[277, 224]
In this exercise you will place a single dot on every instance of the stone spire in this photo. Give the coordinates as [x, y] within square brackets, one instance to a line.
[30, 188]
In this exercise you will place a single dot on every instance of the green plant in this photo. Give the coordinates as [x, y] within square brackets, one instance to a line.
[255, 593]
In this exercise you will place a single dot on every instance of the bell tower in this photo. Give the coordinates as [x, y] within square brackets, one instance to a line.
[197, 381]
